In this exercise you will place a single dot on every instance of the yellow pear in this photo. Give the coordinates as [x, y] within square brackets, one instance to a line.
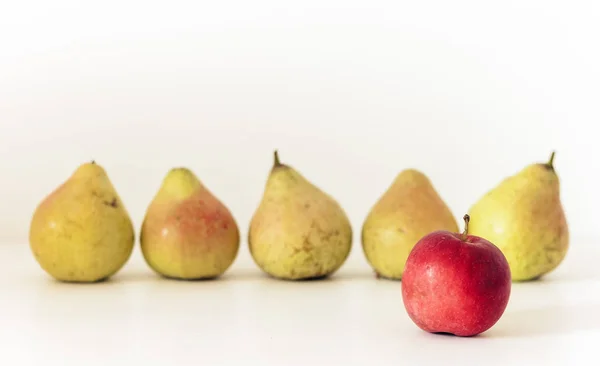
[82, 232]
[187, 232]
[410, 209]
[298, 231]
[524, 217]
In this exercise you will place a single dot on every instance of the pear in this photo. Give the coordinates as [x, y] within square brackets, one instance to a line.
[187, 232]
[81, 232]
[410, 209]
[298, 232]
[524, 217]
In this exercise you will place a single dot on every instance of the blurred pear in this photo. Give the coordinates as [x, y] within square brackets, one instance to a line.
[410, 209]
[298, 231]
[523, 215]
[82, 232]
[187, 232]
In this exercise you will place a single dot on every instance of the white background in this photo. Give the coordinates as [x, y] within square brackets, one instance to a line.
[350, 92]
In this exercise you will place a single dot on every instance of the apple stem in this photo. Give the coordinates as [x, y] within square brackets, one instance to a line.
[467, 218]
[276, 161]
[550, 162]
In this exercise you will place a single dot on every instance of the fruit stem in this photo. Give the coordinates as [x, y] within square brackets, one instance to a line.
[465, 233]
[276, 161]
[550, 162]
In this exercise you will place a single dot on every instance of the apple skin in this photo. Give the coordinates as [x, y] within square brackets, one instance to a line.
[455, 283]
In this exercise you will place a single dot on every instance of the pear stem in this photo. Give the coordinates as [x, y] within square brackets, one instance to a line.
[550, 162]
[465, 233]
[276, 161]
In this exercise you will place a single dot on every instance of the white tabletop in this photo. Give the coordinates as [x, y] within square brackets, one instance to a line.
[246, 318]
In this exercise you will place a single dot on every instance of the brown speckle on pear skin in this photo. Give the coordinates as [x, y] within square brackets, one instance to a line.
[112, 203]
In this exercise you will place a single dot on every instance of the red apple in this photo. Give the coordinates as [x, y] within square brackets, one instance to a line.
[455, 283]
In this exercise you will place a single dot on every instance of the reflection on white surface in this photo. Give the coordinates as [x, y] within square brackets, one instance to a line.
[351, 319]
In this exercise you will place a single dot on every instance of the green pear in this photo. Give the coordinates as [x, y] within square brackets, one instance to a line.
[298, 231]
[523, 215]
[81, 232]
[410, 209]
[187, 232]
